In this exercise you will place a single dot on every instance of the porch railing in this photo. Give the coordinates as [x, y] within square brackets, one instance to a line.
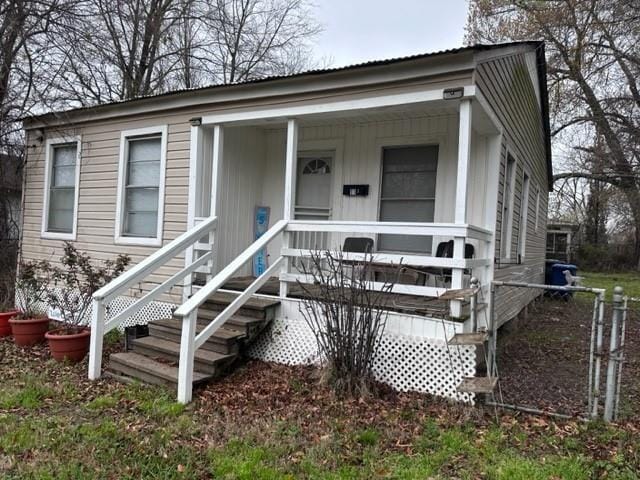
[138, 273]
[480, 263]
[188, 310]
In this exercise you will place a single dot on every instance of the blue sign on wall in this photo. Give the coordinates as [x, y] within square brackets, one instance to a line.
[260, 226]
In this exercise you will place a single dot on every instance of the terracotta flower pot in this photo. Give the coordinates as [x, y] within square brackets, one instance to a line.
[5, 328]
[68, 346]
[29, 331]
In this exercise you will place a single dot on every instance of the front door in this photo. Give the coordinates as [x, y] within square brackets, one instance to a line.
[313, 196]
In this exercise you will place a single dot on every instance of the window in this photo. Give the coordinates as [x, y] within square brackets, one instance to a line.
[408, 194]
[524, 216]
[141, 186]
[507, 208]
[62, 174]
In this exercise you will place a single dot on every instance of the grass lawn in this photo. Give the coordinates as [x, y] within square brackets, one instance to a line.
[629, 281]
[275, 422]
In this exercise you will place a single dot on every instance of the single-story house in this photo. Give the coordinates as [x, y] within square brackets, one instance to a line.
[439, 161]
[562, 241]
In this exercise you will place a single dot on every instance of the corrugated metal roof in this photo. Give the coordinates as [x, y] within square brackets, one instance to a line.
[372, 63]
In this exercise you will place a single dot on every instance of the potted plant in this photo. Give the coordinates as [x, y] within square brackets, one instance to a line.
[69, 295]
[30, 323]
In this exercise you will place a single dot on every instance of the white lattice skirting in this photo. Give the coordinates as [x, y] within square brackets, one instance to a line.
[150, 312]
[406, 363]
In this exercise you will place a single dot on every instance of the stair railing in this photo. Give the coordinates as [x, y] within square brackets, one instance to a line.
[138, 273]
[188, 311]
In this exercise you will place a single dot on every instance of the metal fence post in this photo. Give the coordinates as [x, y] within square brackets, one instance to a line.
[598, 356]
[612, 365]
[623, 328]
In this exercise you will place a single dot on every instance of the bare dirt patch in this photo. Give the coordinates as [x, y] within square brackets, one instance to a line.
[543, 357]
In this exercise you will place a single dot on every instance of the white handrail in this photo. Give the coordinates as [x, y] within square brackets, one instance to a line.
[153, 261]
[188, 311]
[234, 306]
[398, 228]
[226, 273]
[134, 275]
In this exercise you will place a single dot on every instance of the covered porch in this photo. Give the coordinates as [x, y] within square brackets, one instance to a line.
[412, 177]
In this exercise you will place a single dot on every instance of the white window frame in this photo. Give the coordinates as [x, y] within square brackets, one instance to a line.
[121, 239]
[408, 142]
[524, 214]
[505, 250]
[50, 144]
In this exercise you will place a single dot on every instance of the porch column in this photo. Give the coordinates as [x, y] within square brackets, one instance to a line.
[289, 194]
[462, 184]
[195, 169]
[216, 176]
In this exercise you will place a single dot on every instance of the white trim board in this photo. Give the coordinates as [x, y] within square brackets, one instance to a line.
[49, 145]
[292, 111]
[122, 171]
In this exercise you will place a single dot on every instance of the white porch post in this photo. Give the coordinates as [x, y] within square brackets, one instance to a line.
[462, 184]
[97, 334]
[187, 352]
[195, 169]
[290, 176]
[216, 174]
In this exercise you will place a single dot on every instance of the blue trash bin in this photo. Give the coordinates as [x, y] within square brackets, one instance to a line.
[558, 278]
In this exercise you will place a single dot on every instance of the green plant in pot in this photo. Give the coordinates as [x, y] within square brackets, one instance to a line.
[30, 322]
[69, 295]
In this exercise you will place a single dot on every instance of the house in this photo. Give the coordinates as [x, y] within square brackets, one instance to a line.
[562, 241]
[442, 160]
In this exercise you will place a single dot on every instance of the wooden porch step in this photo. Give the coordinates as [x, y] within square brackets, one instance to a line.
[205, 361]
[143, 368]
[225, 340]
[236, 322]
[475, 338]
[258, 307]
[478, 384]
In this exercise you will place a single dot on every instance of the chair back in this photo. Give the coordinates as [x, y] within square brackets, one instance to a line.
[445, 250]
[358, 245]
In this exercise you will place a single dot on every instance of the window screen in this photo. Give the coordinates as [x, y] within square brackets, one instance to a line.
[408, 194]
[142, 187]
[507, 208]
[62, 189]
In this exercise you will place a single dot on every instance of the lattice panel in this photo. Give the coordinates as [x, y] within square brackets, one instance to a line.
[152, 311]
[405, 363]
[286, 341]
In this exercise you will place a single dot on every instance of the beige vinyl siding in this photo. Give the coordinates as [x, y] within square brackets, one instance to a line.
[507, 84]
[244, 183]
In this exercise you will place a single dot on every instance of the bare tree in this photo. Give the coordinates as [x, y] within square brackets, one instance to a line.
[593, 66]
[25, 26]
[125, 49]
[255, 38]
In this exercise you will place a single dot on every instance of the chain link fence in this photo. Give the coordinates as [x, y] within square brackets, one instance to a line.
[570, 352]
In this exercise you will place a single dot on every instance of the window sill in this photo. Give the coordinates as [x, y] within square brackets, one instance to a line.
[58, 236]
[141, 241]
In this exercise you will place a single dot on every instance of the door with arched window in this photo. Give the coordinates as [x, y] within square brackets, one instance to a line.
[313, 195]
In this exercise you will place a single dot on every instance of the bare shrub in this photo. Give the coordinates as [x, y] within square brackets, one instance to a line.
[346, 317]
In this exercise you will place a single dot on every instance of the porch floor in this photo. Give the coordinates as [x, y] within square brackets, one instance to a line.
[395, 302]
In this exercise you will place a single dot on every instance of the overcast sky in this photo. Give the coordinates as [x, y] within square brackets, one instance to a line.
[359, 30]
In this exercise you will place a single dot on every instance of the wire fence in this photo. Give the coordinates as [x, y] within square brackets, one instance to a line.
[570, 352]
